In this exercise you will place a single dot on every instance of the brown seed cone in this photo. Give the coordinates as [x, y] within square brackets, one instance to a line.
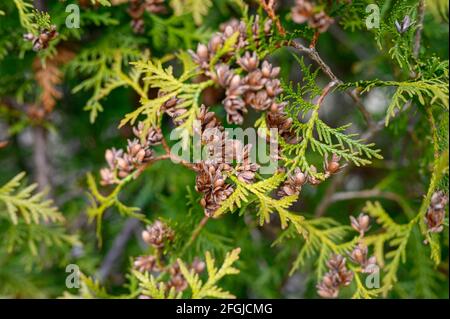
[320, 21]
[293, 184]
[155, 6]
[327, 290]
[208, 121]
[302, 11]
[279, 120]
[361, 224]
[211, 182]
[245, 170]
[435, 216]
[171, 109]
[359, 256]
[158, 234]
[332, 166]
[338, 276]
[107, 177]
[177, 279]
[145, 264]
[249, 62]
[198, 265]
[235, 108]
[336, 263]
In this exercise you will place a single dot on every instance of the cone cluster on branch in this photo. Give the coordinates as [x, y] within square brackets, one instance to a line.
[305, 11]
[338, 276]
[361, 224]
[138, 152]
[206, 53]
[42, 40]
[295, 180]
[177, 280]
[210, 181]
[137, 8]
[146, 264]
[258, 89]
[435, 215]
[359, 256]
[277, 118]
[222, 151]
[158, 234]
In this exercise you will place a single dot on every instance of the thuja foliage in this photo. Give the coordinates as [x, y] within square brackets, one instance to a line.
[101, 101]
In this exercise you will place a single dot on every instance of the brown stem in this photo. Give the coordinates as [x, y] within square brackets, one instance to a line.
[314, 39]
[195, 233]
[314, 55]
[325, 91]
[268, 6]
[165, 145]
[40, 157]
[418, 35]
[116, 251]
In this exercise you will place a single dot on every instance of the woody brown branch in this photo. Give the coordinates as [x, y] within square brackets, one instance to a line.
[269, 7]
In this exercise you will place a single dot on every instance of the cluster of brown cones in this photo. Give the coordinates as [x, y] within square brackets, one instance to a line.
[295, 181]
[138, 152]
[305, 11]
[136, 11]
[206, 53]
[212, 173]
[159, 235]
[338, 275]
[435, 215]
[258, 89]
[42, 40]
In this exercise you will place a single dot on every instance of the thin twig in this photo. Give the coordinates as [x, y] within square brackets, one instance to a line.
[342, 37]
[369, 193]
[418, 35]
[269, 7]
[40, 158]
[117, 248]
[314, 55]
[195, 233]
[325, 91]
